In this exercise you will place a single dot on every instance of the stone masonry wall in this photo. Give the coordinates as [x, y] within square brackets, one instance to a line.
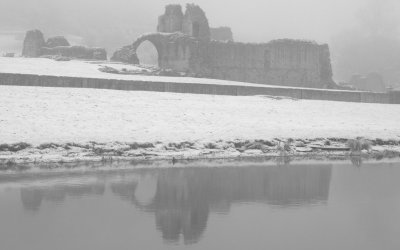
[197, 88]
[212, 53]
[35, 46]
[280, 62]
[184, 43]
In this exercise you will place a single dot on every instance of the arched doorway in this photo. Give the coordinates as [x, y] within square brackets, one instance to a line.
[147, 54]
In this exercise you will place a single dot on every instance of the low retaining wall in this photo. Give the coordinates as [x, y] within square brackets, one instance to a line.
[193, 88]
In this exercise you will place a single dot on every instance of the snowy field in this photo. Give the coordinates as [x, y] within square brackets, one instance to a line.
[74, 68]
[38, 115]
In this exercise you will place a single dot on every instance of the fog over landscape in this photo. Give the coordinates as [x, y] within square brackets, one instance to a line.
[363, 34]
[199, 124]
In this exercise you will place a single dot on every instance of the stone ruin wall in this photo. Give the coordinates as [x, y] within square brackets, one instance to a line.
[177, 56]
[280, 62]
[286, 62]
[35, 46]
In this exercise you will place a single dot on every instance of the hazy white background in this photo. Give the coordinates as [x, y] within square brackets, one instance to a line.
[363, 34]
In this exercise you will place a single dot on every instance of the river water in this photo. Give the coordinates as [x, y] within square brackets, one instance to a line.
[299, 206]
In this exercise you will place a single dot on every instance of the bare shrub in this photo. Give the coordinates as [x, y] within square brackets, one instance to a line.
[356, 145]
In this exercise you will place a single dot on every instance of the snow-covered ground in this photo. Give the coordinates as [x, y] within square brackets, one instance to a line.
[38, 115]
[68, 124]
[74, 68]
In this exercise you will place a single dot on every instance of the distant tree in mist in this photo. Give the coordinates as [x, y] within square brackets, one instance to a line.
[372, 45]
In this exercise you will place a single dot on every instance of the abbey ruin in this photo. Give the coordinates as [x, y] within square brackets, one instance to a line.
[186, 43]
[36, 46]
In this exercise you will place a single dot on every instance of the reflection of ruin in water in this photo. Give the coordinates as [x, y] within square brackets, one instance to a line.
[182, 199]
[356, 161]
[32, 197]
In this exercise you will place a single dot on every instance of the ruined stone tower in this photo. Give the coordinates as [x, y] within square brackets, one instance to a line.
[193, 23]
[172, 19]
[33, 43]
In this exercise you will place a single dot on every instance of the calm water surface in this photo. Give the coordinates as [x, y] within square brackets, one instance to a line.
[308, 207]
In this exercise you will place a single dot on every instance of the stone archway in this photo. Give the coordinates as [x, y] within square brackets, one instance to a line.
[173, 49]
[156, 39]
[147, 54]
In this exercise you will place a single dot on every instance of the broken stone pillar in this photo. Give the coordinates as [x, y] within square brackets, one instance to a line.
[33, 43]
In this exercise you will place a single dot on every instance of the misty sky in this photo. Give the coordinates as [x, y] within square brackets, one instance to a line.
[251, 20]
[261, 20]
[369, 28]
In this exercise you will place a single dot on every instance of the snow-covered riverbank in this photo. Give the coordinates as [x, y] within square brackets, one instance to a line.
[93, 124]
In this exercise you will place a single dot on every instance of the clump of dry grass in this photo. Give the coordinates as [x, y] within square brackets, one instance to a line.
[210, 145]
[14, 147]
[136, 145]
[48, 145]
[77, 145]
[181, 145]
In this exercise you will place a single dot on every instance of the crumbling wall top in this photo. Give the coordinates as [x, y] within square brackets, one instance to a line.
[287, 41]
[221, 34]
[173, 9]
[56, 42]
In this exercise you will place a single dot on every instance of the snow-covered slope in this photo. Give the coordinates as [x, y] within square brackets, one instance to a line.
[44, 66]
[37, 115]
